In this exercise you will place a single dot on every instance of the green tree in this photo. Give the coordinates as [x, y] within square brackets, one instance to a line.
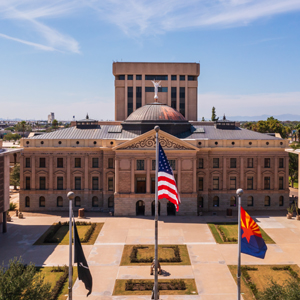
[11, 136]
[54, 123]
[213, 114]
[23, 126]
[22, 282]
[293, 164]
[202, 119]
[271, 126]
[15, 176]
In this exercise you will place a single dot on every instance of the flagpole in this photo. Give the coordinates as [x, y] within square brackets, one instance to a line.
[156, 216]
[239, 193]
[70, 197]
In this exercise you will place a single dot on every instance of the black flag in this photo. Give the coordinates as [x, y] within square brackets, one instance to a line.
[84, 273]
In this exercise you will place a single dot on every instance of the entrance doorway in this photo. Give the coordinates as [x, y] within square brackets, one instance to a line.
[140, 208]
[153, 208]
[141, 185]
[171, 209]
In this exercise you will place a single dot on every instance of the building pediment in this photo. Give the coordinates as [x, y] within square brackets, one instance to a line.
[147, 141]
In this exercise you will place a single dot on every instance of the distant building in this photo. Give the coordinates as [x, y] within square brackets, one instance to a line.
[51, 118]
[4, 184]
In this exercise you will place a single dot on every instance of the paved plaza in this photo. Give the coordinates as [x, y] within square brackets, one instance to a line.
[208, 260]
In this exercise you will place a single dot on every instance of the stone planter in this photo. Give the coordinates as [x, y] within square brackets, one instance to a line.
[298, 217]
[289, 215]
[20, 215]
[8, 218]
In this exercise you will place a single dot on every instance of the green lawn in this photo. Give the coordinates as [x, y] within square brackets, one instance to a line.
[231, 231]
[191, 288]
[262, 278]
[52, 278]
[163, 252]
[62, 235]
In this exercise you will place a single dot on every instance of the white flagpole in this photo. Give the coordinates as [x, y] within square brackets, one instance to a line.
[70, 197]
[156, 216]
[239, 193]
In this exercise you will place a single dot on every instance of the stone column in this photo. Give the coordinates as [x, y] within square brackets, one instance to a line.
[51, 172]
[117, 176]
[186, 98]
[242, 174]
[33, 172]
[68, 173]
[258, 174]
[134, 92]
[224, 173]
[126, 97]
[148, 179]
[276, 179]
[169, 89]
[86, 172]
[22, 159]
[179, 176]
[132, 176]
[143, 91]
[177, 94]
[195, 175]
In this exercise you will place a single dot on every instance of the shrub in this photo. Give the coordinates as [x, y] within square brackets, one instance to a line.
[60, 282]
[88, 234]
[12, 206]
[51, 234]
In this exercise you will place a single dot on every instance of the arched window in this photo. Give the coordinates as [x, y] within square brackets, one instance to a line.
[77, 201]
[267, 201]
[59, 201]
[27, 201]
[42, 201]
[250, 201]
[95, 201]
[281, 201]
[140, 208]
[232, 201]
[216, 201]
[111, 201]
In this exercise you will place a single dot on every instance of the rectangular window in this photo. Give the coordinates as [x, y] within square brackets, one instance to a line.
[121, 77]
[77, 162]
[215, 183]
[27, 162]
[233, 163]
[172, 163]
[249, 162]
[192, 78]
[42, 162]
[281, 201]
[138, 97]
[140, 164]
[27, 183]
[249, 183]
[140, 185]
[110, 184]
[173, 77]
[129, 100]
[110, 163]
[156, 77]
[215, 163]
[267, 201]
[200, 163]
[281, 187]
[182, 100]
[150, 89]
[173, 97]
[233, 201]
[95, 183]
[281, 162]
[267, 182]
[182, 77]
[42, 183]
[152, 185]
[95, 162]
[138, 77]
[267, 162]
[60, 162]
[250, 201]
[77, 183]
[129, 77]
[200, 184]
[153, 164]
[60, 183]
[233, 183]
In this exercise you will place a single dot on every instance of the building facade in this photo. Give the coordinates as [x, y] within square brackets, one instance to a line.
[134, 88]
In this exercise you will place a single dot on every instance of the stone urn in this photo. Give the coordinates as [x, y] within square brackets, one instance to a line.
[8, 218]
[20, 215]
[298, 217]
[289, 215]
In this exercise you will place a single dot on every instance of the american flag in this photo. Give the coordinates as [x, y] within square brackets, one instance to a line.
[167, 187]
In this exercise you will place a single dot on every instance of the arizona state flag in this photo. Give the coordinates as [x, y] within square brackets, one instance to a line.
[252, 242]
[84, 273]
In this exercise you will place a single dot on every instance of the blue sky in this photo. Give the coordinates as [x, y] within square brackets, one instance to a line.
[58, 56]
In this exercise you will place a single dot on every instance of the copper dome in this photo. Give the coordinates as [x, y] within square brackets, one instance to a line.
[149, 115]
[156, 112]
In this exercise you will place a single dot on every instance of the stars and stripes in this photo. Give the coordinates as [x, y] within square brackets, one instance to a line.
[167, 187]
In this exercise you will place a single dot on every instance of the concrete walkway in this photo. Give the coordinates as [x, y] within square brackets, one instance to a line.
[208, 260]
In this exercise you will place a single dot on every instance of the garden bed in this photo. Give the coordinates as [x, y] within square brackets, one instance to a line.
[227, 233]
[145, 287]
[255, 279]
[58, 233]
[140, 255]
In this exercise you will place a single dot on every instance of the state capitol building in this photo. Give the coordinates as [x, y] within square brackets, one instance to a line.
[110, 166]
